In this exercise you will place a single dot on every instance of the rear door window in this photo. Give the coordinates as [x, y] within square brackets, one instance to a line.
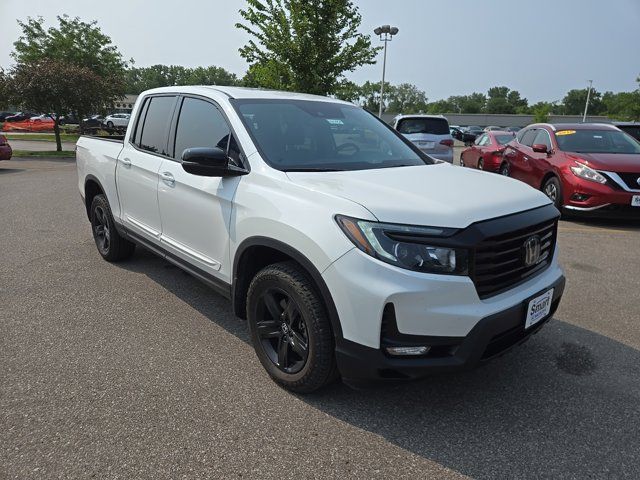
[433, 126]
[156, 123]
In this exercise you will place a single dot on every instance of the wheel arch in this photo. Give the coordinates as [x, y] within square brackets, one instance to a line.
[92, 187]
[255, 253]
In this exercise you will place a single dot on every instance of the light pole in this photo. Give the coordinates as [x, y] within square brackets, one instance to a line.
[386, 33]
[586, 105]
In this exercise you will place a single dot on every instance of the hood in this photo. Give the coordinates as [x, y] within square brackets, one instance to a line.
[439, 195]
[612, 162]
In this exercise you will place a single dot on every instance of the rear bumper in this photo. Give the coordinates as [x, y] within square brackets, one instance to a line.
[492, 336]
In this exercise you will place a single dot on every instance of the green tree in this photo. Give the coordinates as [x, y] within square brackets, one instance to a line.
[348, 91]
[441, 106]
[575, 100]
[55, 86]
[139, 79]
[77, 43]
[303, 46]
[541, 111]
[622, 105]
[503, 100]
[406, 98]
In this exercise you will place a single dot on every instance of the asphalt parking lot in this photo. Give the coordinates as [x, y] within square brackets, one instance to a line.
[138, 370]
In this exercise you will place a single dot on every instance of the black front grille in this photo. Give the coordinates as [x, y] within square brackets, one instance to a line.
[631, 180]
[499, 262]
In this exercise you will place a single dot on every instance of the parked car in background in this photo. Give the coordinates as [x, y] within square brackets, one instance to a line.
[491, 128]
[20, 116]
[455, 131]
[116, 120]
[44, 118]
[68, 119]
[348, 250]
[5, 148]
[430, 133]
[632, 128]
[583, 168]
[512, 129]
[486, 152]
[470, 134]
[94, 121]
[4, 115]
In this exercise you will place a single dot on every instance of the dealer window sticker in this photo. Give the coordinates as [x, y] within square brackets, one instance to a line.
[565, 132]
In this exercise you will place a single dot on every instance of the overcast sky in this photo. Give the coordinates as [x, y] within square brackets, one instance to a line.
[541, 48]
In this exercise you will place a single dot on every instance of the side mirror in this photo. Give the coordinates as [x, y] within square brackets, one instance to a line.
[209, 162]
[539, 148]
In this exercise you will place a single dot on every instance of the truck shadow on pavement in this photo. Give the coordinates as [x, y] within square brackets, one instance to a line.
[566, 404]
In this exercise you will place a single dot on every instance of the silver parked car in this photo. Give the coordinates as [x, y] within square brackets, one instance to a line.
[430, 133]
[117, 120]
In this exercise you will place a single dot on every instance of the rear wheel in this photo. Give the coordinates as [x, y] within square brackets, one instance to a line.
[110, 124]
[462, 160]
[110, 244]
[553, 190]
[290, 329]
[504, 169]
[480, 165]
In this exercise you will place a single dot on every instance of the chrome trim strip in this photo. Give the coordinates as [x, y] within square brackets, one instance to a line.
[616, 178]
[586, 209]
[143, 227]
[190, 252]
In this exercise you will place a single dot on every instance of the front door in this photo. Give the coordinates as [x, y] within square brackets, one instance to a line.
[196, 210]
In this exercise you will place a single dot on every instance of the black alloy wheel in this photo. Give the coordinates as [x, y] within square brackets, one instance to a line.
[282, 330]
[101, 231]
[504, 169]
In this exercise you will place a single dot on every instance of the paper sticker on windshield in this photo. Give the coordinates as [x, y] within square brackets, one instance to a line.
[565, 132]
[335, 121]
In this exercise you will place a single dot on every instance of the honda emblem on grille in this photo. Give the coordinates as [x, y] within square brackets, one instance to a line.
[531, 250]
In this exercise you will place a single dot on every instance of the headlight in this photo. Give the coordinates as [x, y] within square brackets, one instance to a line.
[582, 171]
[413, 248]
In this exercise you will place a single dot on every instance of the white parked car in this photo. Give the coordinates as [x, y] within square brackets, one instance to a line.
[348, 250]
[117, 120]
[430, 133]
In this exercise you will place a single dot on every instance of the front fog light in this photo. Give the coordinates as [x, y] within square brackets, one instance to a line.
[407, 351]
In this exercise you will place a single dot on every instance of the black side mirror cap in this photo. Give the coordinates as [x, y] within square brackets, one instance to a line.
[209, 162]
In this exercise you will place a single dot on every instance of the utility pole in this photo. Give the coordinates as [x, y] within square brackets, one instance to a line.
[586, 105]
[386, 33]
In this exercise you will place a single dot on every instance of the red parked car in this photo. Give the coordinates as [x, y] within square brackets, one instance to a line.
[588, 168]
[5, 149]
[486, 151]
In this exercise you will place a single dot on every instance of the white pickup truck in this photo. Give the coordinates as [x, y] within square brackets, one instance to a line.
[349, 251]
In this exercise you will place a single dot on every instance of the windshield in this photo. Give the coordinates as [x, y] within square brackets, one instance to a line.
[435, 126]
[596, 141]
[299, 135]
[504, 139]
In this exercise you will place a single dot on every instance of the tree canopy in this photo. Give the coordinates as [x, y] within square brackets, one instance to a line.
[139, 79]
[303, 46]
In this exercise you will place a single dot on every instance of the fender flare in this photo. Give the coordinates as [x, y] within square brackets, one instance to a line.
[309, 267]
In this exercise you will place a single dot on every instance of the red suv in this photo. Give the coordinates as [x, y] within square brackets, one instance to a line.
[589, 168]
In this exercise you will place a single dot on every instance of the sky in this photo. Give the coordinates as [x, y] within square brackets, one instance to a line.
[541, 48]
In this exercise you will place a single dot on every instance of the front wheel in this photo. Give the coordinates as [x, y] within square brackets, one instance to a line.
[290, 329]
[553, 190]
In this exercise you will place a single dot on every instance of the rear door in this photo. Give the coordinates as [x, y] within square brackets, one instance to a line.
[196, 210]
[519, 158]
[138, 166]
[539, 163]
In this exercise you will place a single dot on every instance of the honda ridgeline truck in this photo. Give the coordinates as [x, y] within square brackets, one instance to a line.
[348, 250]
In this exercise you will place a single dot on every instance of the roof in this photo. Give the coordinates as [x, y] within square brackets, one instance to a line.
[243, 92]
[418, 115]
[575, 126]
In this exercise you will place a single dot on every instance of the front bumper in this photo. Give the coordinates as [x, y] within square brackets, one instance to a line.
[601, 200]
[491, 337]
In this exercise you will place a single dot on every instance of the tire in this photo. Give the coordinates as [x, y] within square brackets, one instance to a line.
[553, 190]
[110, 124]
[462, 160]
[480, 165]
[285, 313]
[504, 169]
[111, 246]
